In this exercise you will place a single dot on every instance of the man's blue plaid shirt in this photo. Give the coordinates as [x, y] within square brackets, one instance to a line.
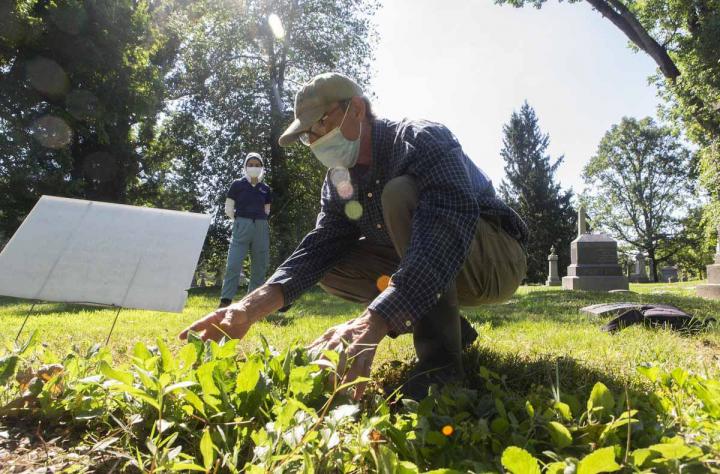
[453, 195]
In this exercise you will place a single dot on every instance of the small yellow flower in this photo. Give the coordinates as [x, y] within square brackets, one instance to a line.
[448, 430]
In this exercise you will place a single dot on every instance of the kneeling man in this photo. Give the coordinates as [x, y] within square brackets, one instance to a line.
[408, 226]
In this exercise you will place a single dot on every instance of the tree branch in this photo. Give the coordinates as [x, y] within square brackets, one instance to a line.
[624, 19]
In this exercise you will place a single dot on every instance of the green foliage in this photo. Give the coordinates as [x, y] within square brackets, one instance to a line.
[639, 184]
[519, 461]
[691, 247]
[529, 187]
[209, 409]
[602, 460]
[81, 84]
[710, 179]
[156, 103]
[235, 83]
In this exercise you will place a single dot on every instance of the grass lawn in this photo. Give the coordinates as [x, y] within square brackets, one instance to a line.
[273, 411]
[524, 338]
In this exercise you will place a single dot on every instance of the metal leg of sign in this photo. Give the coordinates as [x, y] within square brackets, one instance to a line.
[113, 325]
[27, 315]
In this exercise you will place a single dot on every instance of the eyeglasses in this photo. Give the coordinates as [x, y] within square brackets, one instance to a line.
[317, 129]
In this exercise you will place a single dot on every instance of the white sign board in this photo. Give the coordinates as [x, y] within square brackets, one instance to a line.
[78, 251]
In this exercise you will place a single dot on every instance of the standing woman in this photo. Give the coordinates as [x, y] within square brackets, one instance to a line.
[248, 206]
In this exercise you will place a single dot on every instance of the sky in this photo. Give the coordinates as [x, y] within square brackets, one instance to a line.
[470, 63]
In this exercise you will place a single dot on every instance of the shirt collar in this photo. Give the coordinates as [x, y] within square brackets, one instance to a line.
[378, 128]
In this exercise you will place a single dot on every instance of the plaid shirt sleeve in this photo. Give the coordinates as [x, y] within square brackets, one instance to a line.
[443, 227]
[319, 251]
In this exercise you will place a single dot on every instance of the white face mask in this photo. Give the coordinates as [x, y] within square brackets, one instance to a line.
[334, 150]
[253, 171]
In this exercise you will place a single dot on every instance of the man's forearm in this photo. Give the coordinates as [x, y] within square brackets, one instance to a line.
[263, 301]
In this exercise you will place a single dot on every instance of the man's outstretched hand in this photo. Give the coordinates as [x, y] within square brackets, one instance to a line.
[235, 320]
[232, 322]
[362, 335]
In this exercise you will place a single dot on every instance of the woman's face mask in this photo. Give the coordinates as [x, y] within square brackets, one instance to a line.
[334, 150]
[254, 171]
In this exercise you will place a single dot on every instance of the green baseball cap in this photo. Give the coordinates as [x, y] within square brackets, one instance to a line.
[314, 99]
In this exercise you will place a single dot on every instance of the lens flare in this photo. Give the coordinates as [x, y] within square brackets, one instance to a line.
[382, 283]
[448, 430]
[276, 26]
[353, 210]
[345, 190]
[47, 77]
[51, 132]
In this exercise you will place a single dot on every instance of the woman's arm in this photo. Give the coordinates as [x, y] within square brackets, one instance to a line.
[230, 208]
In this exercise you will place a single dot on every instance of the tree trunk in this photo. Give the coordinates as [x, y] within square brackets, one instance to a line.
[653, 266]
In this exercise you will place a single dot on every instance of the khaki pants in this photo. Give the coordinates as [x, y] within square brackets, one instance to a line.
[493, 270]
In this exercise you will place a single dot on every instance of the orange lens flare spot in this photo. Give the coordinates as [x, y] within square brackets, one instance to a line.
[382, 283]
[448, 430]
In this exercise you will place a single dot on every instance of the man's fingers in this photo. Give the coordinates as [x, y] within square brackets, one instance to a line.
[358, 368]
[360, 365]
[211, 332]
[322, 341]
[202, 323]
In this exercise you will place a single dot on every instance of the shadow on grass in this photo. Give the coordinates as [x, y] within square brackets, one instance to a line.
[49, 307]
[316, 302]
[521, 375]
[45, 307]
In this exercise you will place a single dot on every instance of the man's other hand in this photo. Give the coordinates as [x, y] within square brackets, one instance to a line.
[362, 336]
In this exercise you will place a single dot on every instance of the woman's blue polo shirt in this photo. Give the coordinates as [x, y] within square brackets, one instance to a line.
[250, 200]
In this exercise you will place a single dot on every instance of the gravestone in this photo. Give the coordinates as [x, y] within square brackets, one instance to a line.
[553, 276]
[593, 262]
[639, 275]
[669, 274]
[712, 288]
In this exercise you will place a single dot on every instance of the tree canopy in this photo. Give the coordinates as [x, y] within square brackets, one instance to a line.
[530, 188]
[81, 83]
[683, 38]
[157, 102]
[639, 184]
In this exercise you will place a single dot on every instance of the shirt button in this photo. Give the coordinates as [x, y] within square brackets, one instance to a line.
[369, 195]
[408, 324]
[379, 226]
[438, 296]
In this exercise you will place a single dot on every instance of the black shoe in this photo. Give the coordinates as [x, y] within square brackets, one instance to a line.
[285, 309]
[224, 302]
[468, 334]
[439, 342]
[421, 379]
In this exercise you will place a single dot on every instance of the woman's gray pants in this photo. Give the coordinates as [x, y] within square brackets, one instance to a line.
[252, 235]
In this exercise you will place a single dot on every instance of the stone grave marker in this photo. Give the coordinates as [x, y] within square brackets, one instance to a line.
[593, 262]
